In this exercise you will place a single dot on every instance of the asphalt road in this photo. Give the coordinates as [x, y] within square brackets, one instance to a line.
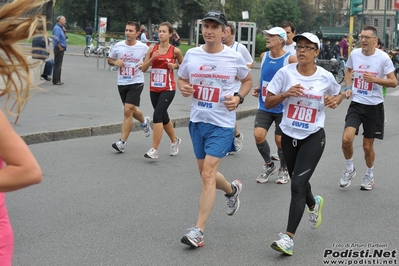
[96, 207]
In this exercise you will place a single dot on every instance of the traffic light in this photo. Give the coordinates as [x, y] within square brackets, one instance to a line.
[356, 7]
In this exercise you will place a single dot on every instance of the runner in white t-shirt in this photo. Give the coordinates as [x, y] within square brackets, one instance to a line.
[371, 69]
[305, 89]
[127, 56]
[228, 40]
[207, 75]
[289, 28]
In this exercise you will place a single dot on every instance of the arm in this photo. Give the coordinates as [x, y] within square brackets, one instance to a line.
[185, 87]
[179, 59]
[348, 82]
[390, 81]
[148, 59]
[273, 100]
[231, 101]
[255, 91]
[115, 62]
[22, 169]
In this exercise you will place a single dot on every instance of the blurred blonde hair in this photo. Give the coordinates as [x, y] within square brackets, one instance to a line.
[19, 20]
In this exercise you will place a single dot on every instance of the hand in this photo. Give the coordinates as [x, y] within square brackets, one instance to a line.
[155, 54]
[255, 92]
[348, 93]
[187, 90]
[171, 66]
[295, 91]
[368, 77]
[330, 101]
[119, 63]
[231, 102]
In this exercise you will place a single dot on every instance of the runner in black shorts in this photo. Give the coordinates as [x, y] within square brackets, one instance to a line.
[371, 70]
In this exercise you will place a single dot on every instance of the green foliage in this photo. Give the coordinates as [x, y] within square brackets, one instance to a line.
[260, 45]
[277, 11]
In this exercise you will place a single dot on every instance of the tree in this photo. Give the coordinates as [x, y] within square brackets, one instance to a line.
[277, 11]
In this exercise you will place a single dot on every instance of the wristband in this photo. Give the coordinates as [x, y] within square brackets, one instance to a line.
[348, 88]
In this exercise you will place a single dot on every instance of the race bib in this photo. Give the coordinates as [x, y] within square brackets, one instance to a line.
[302, 112]
[264, 89]
[207, 94]
[127, 71]
[158, 77]
[361, 86]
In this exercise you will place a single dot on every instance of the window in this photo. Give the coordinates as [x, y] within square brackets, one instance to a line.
[388, 23]
[377, 4]
[376, 22]
[389, 4]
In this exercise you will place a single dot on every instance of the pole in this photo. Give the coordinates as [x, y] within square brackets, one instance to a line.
[95, 18]
[385, 19]
[331, 12]
[351, 22]
[396, 28]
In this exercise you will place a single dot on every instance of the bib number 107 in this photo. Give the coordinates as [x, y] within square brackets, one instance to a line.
[302, 113]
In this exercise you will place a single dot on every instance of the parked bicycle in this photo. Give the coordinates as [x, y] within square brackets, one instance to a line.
[335, 67]
[99, 50]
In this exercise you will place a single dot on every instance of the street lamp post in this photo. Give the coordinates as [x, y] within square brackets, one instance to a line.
[95, 17]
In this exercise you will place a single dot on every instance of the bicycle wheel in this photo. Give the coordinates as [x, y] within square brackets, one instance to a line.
[340, 75]
[87, 52]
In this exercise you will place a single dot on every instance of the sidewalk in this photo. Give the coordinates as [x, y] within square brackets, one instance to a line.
[88, 104]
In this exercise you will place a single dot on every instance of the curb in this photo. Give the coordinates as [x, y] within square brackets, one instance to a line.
[108, 129]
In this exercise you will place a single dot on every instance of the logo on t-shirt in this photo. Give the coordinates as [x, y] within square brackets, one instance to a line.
[207, 67]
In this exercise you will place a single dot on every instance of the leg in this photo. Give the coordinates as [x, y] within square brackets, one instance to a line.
[58, 58]
[127, 120]
[208, 169]
[48, 68]
[347, 142]
[309, 152]
[369, 154]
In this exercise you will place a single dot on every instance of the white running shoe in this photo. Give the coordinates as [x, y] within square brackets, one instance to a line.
[315, 217]
[151, 154]
[284, 245]
[119, 146]
[283, 176]
[174, 147]
[267, 171]
[194, 238]
[233, 202]
[368, 183]
[238, 142]
[346, 178]
[147, 128]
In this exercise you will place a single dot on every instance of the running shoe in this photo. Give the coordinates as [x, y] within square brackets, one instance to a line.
[275, 157]
[238, 142]
[346, 178]
[174, 147]
[267, 171]
[233, 202]
[119, 146]
[368, 183]
[194, 238]
[147, 127]
[284, 245]
[315, 217]
[151, 154]
[283, 176]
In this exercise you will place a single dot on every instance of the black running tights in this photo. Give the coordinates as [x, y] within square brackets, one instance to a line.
[301, 157]
[161, 101]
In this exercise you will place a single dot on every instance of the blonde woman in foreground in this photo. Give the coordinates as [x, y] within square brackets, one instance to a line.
[18, 167]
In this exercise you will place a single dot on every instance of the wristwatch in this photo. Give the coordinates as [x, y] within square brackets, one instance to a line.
[239, 96]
